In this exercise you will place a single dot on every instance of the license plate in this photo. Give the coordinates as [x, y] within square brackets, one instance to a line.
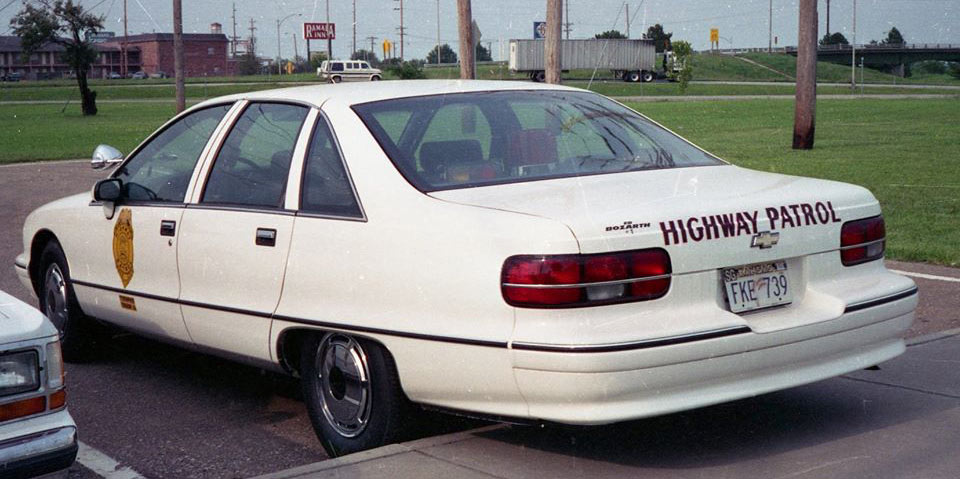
[756, 286]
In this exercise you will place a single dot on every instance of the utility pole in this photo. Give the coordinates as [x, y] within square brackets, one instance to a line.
[253, 38]
[354, 28]
[770, 33]
[402, 28]
[853, 50]
[295, 52]
[372, 40]
[828, 17]
[567, 25]
[438, 32]
[329, 41]
[627, 5]
[804, 121]
[233, 39]
[178, 65]
[552, 52]
[465, 27]
[123, 49]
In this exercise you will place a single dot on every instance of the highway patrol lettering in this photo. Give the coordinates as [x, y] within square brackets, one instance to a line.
[740, 223]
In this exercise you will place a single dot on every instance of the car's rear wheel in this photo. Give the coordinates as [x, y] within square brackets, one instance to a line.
[335, 79]
[352, 393]
[58, 302]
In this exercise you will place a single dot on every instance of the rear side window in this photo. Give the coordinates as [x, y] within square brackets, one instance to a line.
[336, 67]
[251, 167]
[326, 186]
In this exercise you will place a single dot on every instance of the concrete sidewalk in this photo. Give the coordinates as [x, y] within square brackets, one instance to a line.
[902, 421]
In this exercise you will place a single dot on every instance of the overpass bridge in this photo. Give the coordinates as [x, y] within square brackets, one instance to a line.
[898, 54]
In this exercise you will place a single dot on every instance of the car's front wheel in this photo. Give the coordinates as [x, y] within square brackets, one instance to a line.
[59, 304]
[352, 393]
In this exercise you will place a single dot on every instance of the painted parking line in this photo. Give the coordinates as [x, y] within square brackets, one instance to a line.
[104, 465]
[927, 276]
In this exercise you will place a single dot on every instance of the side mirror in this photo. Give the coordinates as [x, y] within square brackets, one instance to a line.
[108, 190]
[105, 156]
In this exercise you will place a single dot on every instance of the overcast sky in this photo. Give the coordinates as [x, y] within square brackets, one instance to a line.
[741, 23]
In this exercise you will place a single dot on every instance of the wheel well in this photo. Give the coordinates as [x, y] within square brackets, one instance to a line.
[291, 341]
[39, 243]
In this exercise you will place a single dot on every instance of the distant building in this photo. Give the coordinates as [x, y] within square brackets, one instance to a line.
[205, 54]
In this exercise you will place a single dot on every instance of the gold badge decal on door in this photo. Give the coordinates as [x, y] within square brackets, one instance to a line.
[123, 246]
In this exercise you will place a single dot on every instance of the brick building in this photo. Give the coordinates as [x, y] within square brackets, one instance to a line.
[205, 54]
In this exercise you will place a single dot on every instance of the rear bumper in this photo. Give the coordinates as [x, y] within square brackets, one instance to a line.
[41, 451]
[599, 388]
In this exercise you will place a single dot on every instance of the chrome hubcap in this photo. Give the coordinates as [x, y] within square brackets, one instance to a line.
[55, 297]
[344, 384]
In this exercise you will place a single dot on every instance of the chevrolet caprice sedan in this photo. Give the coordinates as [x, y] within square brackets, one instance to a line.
[520, 251]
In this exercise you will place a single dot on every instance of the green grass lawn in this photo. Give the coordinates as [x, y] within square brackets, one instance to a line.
[907, 152]
[836, 73]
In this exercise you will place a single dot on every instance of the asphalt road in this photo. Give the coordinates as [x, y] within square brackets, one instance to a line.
[168, 412]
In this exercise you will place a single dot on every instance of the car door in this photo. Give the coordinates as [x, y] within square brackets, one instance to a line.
[236, 233]
[126, 270]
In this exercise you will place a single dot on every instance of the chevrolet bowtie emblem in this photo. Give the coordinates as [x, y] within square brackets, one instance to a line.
[764, 240]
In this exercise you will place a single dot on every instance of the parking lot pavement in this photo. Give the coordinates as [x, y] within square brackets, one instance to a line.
[165, 412]
[902, 421]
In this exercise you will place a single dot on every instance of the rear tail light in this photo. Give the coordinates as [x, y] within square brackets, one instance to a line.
[565, 281]
[862, 241]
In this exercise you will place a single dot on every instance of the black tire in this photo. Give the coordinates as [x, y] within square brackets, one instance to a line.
[633, 77]
[59, 303]
[539, 77]
[375, 78]
[350, 414]
[335, 79]
[647, 76]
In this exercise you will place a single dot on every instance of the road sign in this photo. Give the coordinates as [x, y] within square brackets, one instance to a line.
[387, 48]
[539, 30]
[319, 31]
[714, 35]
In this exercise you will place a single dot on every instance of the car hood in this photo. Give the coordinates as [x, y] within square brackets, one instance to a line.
[20, 321]
[705, 217]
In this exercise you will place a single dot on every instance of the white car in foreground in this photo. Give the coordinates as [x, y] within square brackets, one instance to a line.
[37, 434]
[522, 251]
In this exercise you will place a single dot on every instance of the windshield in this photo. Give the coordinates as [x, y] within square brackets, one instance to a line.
[475, 139]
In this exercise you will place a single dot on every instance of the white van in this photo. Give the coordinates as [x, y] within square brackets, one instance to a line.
[336, 71]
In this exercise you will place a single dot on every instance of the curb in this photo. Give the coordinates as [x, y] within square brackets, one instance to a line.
[929, 338]
[379, 453]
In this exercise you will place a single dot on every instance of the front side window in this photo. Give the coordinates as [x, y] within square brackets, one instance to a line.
[161, 170]
[252, 165]
[336, 66]
[326, 186]
[483, 138]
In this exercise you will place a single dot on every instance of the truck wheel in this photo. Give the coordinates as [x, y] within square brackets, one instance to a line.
[647, 76]
[538, 77]
[633, 77]
[352, 393]
[58, 302]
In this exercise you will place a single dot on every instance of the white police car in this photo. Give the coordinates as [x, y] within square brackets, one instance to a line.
[499, 248]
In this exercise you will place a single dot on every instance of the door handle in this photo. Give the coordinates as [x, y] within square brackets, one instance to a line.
[266, 237]
[168, 228]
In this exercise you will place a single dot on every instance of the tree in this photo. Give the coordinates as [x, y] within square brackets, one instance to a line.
[955, 70]
[366, 55]
[447, 55]
[660, 38]
[894, 37]
[483, 53]
[834, 39]
[316, 58]
[62, 23]
[682, 51]
[612, 34]
[248, 64]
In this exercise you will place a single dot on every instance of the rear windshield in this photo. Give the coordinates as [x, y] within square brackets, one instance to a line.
[474, 139]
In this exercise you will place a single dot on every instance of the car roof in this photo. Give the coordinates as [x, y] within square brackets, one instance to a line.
[364, 92]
